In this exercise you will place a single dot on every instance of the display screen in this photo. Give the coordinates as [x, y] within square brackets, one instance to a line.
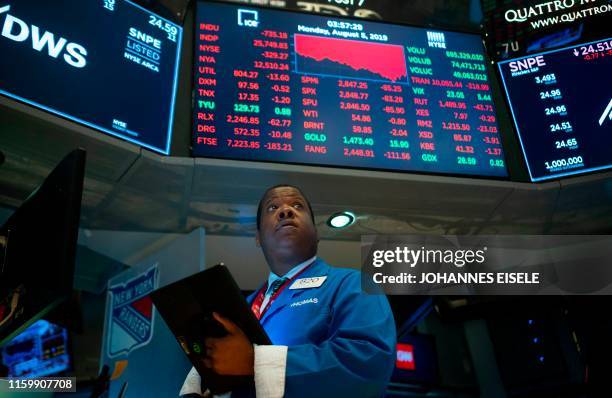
[108, 64]
[518, 28]
[561, 102]
[448, 13]
[41, 350]
[288, 87]
[416, 360]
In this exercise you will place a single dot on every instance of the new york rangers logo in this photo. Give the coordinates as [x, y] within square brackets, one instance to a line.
[132, 313]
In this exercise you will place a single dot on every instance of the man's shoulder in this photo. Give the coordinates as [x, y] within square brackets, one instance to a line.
[350, 280]
[336, 271]
[344, 285]
[342, 275]
[343, 272]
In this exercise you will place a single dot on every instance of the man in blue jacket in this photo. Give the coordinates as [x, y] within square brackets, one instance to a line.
[330, 338]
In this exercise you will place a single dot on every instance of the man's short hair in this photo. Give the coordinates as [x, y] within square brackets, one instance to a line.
[282, 186]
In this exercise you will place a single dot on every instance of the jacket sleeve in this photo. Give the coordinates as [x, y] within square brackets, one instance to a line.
[357, 358]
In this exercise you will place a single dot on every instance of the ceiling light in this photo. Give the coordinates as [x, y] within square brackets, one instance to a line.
[341, 220]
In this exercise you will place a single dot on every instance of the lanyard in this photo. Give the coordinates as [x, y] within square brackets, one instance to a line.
[256, 305]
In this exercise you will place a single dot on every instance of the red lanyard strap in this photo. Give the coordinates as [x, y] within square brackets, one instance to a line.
[256, 306]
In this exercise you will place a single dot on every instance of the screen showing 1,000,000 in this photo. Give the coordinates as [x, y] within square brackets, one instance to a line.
[561, 102]
[107, 64]
[297, 88]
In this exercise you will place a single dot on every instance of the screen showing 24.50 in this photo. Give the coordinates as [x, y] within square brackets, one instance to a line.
[561, 101]
[108, 64]
[288, 87]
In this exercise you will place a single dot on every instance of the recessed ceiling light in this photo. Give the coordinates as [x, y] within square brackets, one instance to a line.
[341, 220]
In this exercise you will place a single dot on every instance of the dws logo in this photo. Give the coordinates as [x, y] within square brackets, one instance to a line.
[17, 30]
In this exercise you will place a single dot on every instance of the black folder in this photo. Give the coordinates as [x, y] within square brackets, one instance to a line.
[187, 307]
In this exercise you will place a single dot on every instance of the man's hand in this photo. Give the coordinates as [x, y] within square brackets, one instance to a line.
[229, 355]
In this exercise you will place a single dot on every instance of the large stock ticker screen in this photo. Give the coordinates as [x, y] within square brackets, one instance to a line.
[561, 101]
[297, 88]
[108, 64]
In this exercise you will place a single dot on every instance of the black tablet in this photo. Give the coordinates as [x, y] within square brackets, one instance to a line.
[187, 307]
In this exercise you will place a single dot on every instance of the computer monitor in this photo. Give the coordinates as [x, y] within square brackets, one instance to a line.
[41, 350]
[39, 247]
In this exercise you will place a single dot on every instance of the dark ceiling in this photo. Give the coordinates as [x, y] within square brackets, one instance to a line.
[127, 188]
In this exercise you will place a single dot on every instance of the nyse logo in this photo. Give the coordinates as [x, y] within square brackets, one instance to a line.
[248, 18]
[18, 31]
[436, 39]
[607, 114]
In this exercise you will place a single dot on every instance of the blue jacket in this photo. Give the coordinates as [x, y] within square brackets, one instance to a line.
[341, 340]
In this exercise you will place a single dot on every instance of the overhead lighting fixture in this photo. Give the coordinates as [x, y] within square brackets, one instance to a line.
[341, 220]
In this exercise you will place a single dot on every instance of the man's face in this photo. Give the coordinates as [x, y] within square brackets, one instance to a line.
[286, 228]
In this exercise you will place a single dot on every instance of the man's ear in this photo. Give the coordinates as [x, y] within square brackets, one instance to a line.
[257, 241]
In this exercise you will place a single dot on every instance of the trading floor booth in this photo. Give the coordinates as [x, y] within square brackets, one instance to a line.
[423, 120]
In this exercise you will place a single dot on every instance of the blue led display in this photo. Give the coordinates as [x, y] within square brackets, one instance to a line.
[41, 350]
[309, 89]
[109, 64]
[561, 101]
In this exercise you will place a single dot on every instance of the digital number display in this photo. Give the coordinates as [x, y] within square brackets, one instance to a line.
[561, 101]
[296, 88]
[108, 64]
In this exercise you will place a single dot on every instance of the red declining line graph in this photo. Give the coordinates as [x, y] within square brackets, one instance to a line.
[385, 60]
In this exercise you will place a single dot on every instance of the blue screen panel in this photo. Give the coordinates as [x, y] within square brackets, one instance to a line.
[41, 350]
[298, 88]
[108, 64]
[561, 101]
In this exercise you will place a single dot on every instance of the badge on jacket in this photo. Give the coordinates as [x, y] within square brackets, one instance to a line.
[308, 283]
